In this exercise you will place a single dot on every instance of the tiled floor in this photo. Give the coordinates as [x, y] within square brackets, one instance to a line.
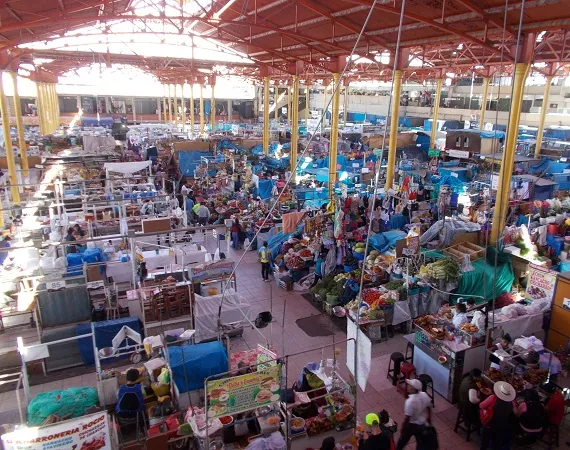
[286, 308]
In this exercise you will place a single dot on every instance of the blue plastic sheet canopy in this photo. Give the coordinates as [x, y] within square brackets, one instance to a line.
[189, 160]
[192, 364]
[340, 159]
[265, 188]
[105, 331]
[547, 166]
[384, 241]
[322, 175]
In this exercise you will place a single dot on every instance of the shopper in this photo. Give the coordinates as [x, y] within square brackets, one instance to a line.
[130, 399]
[388, 426]
[469, 398]
[189, 204]
[555, 405]
[498, 431]
[70, 238]
[319, 268]
[328, 443]
[235, 230]
[417, 411]
[531, 414]
[265, 258]
[203, 215]
[375, 439]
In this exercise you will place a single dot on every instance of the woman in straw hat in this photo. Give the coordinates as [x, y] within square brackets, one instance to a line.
[498, 431]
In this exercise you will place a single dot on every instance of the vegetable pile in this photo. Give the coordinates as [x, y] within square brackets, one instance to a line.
[444, 269]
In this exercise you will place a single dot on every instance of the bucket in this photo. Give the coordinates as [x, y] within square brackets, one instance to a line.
[552, 228]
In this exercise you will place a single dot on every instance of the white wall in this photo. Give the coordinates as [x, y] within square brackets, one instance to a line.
[379, 105]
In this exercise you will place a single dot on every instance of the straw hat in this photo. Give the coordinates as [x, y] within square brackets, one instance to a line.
[504, 391]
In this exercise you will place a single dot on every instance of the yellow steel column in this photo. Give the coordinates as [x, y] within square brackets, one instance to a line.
[164, 113]
[213, 111]
[275, 101]
[192, 109]
[20, 125]
[307, 100]
[507, 163]
[38, 108]
[175, 107]
[8, 145]
[49, 96]
[182, 106]
[169, 105]
[202, 121]
[325, 110]
[543, 112]
[294, 128]
[394, 128]
[45, 108]
[289, 103]
[486, 82]
[345, 107]
[266, 115]
[55, 106]
[435, 112]
[333, 149]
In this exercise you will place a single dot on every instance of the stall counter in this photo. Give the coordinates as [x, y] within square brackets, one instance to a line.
[446, 377]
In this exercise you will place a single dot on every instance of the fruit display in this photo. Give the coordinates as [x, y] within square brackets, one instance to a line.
[444, 269]
[359, 247]
[295, 262]
[377, 261]
[536, 376]
[376, 299]
[305, 253]
[345, 414]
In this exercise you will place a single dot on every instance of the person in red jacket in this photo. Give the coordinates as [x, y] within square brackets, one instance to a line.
[555, 404]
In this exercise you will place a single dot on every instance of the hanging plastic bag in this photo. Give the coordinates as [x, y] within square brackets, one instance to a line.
[246, 243]
[217, 255]
[466, 265]
[208, 257]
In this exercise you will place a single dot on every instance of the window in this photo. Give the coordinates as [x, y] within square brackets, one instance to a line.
[466, 143]
[458, 142]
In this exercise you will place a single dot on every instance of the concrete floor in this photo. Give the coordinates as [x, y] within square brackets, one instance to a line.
[287, 307]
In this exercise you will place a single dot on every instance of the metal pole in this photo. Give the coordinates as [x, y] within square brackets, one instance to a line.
[345, 108]
[294, 128]
[275, 101]
[543, 112]
[192, 109]
[435, 113]
[266, 115]
[164, 117]
[175, 107]
[334, 134]
[169, 105]
[307, 100]
[486, 81]
[394, 128]
[182, 106]
[20, 125]
[8, 145]
[507, 163]
[213, 110]
[202, 121]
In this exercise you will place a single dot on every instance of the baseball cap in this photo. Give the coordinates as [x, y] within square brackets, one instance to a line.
[371, 418]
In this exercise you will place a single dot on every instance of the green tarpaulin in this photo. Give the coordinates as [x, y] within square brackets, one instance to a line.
[484, 282]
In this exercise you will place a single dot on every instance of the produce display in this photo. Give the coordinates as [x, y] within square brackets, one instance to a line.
[469, 328]
[444, 269]
[536, 376]
[318, 425]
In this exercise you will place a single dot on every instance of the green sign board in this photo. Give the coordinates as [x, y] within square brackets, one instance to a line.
[433, 152]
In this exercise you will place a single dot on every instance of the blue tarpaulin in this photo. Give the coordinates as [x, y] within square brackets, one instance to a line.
[547, 166]
[105, 331]
[383, 241]
[265, 188]
[192, 364]
[226, 144]
[189, 160]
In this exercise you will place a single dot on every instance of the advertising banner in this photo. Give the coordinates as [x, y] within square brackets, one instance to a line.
[211, 270]
[84, 433]
[541, 283]
[244, 392]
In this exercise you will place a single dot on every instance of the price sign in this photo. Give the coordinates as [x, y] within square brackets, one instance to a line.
[454, 174]
[55, 285]
[95, 284]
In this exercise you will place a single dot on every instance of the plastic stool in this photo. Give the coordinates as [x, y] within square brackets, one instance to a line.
[407, 372]
[396, 360]
[409, 348]
[427, 382]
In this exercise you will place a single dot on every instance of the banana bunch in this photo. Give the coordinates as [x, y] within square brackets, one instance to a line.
[445, 269]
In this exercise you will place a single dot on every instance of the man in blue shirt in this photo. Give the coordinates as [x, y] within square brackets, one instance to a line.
[189, 205]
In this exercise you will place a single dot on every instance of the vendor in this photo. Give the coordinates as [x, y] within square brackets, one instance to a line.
[460, 315]
[350, 289]
[130, 399]
[147, 208]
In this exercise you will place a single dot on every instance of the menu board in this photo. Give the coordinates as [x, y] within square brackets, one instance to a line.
[541, 283]
[265, 357]
[244, 392]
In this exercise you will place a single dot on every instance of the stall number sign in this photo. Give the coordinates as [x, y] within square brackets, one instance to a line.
[541, 283]
[55, 285]
[95, 284]
[244, 393]
[458, 153]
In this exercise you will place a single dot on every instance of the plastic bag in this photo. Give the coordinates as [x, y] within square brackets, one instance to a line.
[509, 312]
[208, 257]
[217, 255]
[401, 312]
[246, 243]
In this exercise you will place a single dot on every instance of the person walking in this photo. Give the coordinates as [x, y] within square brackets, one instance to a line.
[417, 411]
[498, 430]
[235, 230]
[319, 269]
[203, 215]
[264, 258]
